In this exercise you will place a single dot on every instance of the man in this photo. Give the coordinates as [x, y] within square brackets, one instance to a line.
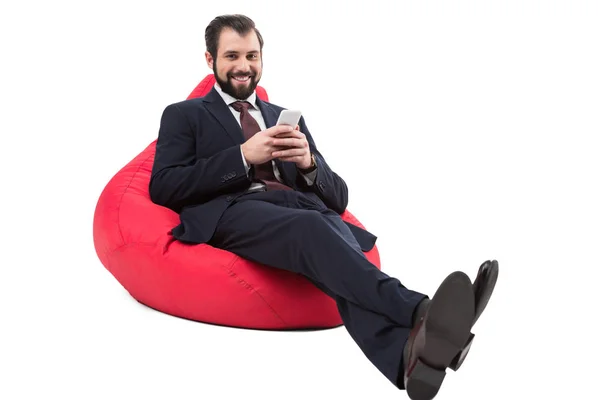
[266, 193]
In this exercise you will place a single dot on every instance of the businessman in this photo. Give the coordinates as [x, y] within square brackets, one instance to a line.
[267, 194]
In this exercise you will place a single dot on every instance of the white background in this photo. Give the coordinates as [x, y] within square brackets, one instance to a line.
[465, 130]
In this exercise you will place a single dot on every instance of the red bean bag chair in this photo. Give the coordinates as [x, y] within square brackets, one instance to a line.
[197, 282]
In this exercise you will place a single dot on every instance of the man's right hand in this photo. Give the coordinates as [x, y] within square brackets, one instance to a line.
[259, 148]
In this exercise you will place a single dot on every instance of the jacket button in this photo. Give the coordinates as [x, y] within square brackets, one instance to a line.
[229, 198]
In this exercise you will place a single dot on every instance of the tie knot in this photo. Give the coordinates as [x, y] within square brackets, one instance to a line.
[240, 105]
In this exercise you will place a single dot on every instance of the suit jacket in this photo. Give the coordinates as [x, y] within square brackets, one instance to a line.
[198, 169]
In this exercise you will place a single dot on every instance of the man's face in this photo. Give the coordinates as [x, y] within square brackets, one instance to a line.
[238, 66]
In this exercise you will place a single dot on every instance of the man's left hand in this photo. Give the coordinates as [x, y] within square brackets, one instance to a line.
[294, 148]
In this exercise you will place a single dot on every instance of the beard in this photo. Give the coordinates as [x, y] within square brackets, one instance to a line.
[240, 93]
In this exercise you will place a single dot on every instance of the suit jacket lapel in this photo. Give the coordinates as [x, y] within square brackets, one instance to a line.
[217, 107]
[269, 114]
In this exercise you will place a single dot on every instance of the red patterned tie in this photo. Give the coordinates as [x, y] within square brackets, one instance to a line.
[263, 172]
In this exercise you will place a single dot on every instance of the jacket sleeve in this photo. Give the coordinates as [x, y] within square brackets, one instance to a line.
[328, 185]
[179, 178]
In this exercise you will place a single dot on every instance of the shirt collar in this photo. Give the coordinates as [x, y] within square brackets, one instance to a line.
[230, 99]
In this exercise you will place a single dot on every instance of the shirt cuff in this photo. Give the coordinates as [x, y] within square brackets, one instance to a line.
[310, 177]
[244, 160]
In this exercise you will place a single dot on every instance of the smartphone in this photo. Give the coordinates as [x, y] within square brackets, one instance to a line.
[289, 117]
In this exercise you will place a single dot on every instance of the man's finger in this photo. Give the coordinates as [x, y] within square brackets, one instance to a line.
[293, 152]
[293, 159]
[294, 134]
[278, 130]
[287, 142]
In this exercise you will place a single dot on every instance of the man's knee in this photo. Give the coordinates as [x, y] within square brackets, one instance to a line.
[310, 222]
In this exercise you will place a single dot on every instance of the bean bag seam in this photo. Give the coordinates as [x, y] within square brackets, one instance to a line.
[242, 281]
[228, 269]
[116, 249]
[123, 195]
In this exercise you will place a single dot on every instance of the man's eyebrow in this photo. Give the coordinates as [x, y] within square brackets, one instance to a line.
[237, 52]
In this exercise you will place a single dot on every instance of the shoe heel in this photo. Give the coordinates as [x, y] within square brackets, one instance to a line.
[423, 382]
[460, 357]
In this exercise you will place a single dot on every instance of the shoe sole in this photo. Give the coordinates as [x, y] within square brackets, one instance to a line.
[447, 327]
[484, 286]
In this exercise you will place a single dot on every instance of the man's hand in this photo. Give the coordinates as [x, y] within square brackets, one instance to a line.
[293, 147]
[260, 148]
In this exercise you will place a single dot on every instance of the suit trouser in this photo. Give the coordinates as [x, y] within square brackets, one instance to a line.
[295, 231]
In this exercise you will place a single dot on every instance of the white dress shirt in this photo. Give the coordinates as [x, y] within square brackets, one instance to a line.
[257, 115]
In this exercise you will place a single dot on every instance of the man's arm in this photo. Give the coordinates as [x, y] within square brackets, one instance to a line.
[180, 179]
[328, 185]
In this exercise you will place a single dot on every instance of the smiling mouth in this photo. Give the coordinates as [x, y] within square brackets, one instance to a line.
[241, 78]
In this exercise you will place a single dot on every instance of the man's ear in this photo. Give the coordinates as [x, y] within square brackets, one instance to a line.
[209, 59]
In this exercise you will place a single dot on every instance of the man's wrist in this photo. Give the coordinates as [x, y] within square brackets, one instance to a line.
[311, 167]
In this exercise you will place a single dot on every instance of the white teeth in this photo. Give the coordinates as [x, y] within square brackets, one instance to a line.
[242, 79]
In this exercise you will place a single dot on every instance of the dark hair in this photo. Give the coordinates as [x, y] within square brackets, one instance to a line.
[239, 23]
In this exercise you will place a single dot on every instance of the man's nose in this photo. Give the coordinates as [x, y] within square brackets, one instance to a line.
[243, 65]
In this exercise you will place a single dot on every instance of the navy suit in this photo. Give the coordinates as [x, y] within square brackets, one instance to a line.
[198, 169]
[198, 172]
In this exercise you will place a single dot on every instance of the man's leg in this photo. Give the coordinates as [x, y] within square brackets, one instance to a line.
[291, 231]
[288, 230]
[381, 340]
[279, 230]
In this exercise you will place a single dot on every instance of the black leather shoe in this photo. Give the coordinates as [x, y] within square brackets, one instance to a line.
[483, 287]
[438, 337]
